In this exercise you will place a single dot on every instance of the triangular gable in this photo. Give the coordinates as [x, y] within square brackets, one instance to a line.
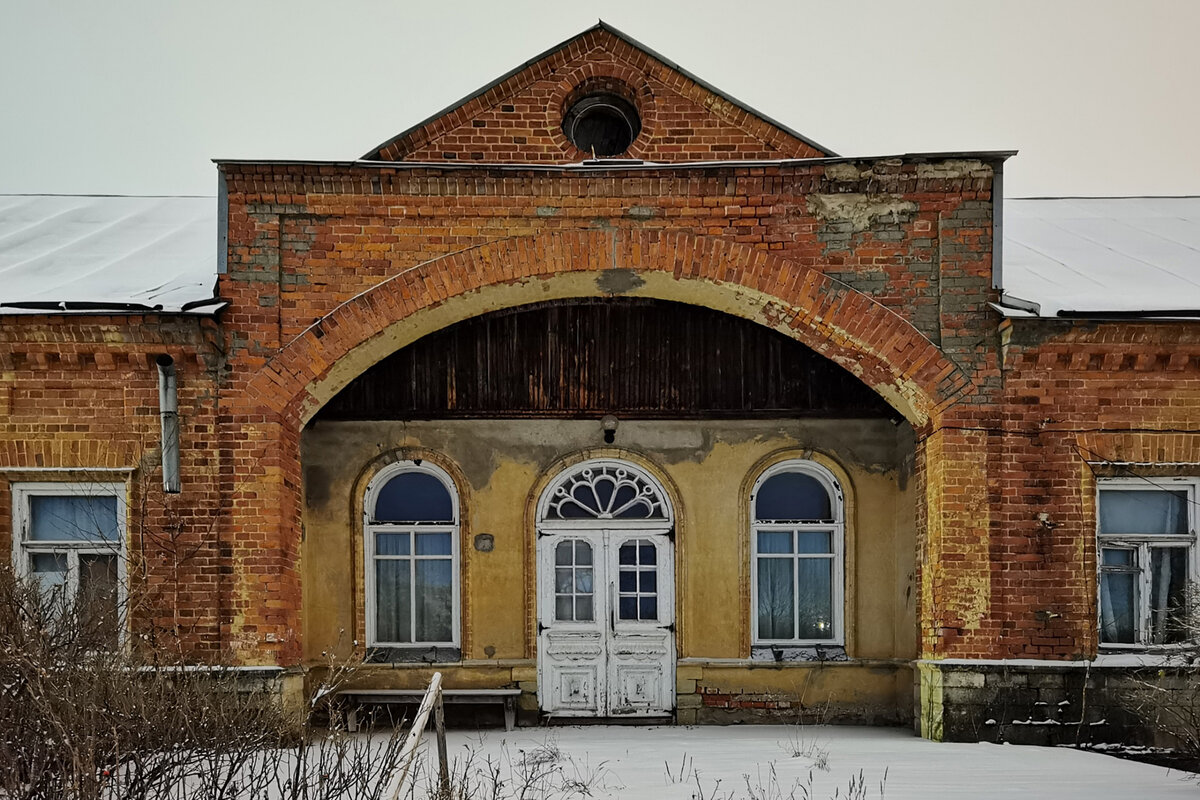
[519, 117]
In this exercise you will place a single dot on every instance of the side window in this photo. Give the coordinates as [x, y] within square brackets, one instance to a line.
[411, 539]
[1146, 547]
[70, 540]
[797, 530]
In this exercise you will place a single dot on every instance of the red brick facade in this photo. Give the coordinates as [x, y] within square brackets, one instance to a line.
[883, 265]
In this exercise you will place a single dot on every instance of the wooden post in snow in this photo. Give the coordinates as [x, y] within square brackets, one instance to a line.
[432, 699]
[439, 727]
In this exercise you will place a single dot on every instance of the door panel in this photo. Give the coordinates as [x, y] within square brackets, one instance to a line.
[606, 644]
[641, 646]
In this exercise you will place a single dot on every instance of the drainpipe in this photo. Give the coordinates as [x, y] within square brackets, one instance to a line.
[168, 410]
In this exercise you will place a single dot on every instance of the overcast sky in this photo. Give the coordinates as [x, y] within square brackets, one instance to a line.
[120, 97]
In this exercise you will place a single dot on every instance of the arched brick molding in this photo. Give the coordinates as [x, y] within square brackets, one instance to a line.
[879, 346]
[263, 421]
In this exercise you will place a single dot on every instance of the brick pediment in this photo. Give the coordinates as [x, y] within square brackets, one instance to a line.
[674, 116]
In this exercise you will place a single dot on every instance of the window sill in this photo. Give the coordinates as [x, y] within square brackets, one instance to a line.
[413, 654]
[780, 653]
[1183, 656]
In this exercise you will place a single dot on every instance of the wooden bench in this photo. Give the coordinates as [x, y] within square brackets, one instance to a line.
[358, 697]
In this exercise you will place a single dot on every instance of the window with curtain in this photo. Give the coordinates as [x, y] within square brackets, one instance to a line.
[71, 542]
[1146, 550]
[797, 530]
[411, 544]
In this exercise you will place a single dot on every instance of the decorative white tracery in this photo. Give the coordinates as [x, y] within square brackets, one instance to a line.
[605, 490]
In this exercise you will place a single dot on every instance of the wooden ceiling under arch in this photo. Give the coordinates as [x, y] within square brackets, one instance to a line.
[632, 357]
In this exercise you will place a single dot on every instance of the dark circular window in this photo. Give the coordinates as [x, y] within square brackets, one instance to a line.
[602, 125]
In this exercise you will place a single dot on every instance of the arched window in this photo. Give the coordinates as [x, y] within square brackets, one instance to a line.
[411, 538]
[797, 530]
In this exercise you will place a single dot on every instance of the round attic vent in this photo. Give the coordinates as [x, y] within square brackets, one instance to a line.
[602, 124]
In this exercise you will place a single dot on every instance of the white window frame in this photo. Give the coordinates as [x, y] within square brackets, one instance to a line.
[23, 547]
[1142, 544]
[837, 501]
[371, 529]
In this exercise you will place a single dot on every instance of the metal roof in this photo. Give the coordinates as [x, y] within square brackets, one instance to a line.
[1091, 257]
[77, 253]
[1103, 256]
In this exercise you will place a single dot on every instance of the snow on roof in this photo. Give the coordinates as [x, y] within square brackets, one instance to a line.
[75, 253]
[1117, 254]
[79, 253]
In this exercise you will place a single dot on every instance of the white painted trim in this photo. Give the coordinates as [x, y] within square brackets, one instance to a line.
[838, 529]
[545, 522]
[1142, 543]
[21, 547]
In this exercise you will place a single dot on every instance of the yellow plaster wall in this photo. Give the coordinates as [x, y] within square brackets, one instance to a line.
[500, 466]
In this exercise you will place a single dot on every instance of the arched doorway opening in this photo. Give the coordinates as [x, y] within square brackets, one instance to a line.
[605, 593]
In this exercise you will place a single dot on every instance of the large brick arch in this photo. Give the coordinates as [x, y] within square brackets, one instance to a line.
[881, 347]
[264, 420]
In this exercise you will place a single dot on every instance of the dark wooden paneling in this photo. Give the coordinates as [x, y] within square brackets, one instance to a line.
[634, 358]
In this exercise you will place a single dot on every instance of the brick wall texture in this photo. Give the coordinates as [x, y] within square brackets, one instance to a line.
[883, 265]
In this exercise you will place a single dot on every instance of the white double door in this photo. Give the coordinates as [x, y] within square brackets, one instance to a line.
[606, 614]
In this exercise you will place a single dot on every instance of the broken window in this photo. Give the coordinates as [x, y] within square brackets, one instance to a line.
[1146, 554]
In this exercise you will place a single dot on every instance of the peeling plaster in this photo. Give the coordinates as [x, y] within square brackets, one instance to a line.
[860, 210]
[954, 169]
[618, 281]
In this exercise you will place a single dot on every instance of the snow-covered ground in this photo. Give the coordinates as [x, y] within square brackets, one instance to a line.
[715, 763]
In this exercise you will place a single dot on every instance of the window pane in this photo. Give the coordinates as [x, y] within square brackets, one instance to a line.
[433, 544]
[814, 542]
[72, 518]
[414, 497]
[583, 553]
[583, 609]
[49, 569]
[603, 486]
[1118, 603]
[434, 597]
[1143, 511]
[393, 593]
[775, 542]
[628, 580]
[564, 580]
[648, 581]
[814, 577]
[98, 598]
[583, 580]
[792, 496]
[562, 554]
[1117, 557]
[648, 608]
[627, 554]
[1168, 594]
[646, 554]
[392, 544]
[562, 609]
[776, 602]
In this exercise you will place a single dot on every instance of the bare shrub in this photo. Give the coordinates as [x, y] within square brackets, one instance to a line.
[1165, 699]
[85, 716]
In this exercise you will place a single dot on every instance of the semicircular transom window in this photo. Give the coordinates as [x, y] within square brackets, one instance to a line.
[602, 124]
[792, 497]
[606, 491]
[414, 497]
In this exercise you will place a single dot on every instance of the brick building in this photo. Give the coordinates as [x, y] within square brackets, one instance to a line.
[603, 386]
